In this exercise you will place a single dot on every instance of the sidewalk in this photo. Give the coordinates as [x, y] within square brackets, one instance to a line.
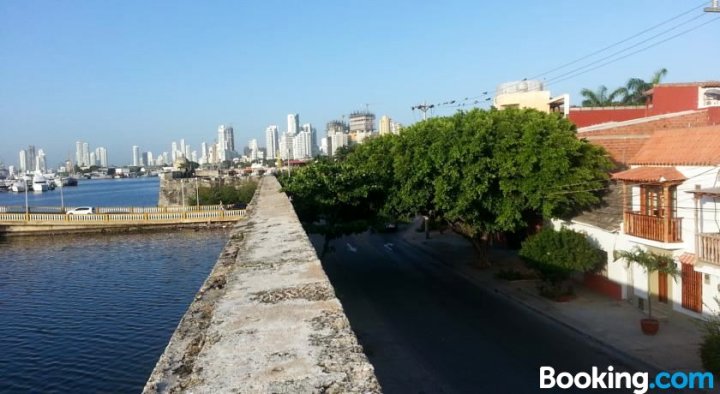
[614, 325]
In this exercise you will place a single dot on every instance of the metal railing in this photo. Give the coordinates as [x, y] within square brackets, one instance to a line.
[145, 217]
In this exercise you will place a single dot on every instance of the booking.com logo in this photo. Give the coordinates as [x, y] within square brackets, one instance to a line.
[640, 382]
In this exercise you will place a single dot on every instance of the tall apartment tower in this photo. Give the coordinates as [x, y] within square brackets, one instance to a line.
[86, 154]
[226, 143]
[271, 141]
[136, 156]
[362, 122]
[293, 123]
[79, 154]
[23, 161]
[385, 125]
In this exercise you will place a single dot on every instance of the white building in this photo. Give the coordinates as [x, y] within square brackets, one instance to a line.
[101, 154]
[40, 164]
[253, 145]
[285, 147]
[86, 154]
[293, 121]
[22, 161]
[137, 159]
[79, 154]
[385, 125]
[226, 143]
[271, 141]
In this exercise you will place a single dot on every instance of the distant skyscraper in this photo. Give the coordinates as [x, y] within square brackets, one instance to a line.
[86, 154]
[101, 154]
[225, 144]
[194, 156]
[293, 121]
[150, 159]
[362, 121]
[385, 127]
[23, 163]
[174, 151]
[395, 127]
[136, 156]
[271, 141]
[78, 153]
[31, 158]
[182, 146]
[285, 146]
[188, 152]
[203, 153]
[166, 158]
[253, 145]
[93, 159]
[310, 141]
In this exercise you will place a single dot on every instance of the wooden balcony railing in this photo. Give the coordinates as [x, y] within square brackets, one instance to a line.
[709, 248]
[653, 227]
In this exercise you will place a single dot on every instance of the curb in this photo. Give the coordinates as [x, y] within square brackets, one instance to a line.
[625, 357]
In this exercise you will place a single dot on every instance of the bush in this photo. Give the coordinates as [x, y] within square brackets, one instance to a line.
[557, 254]
[710, 347]
[226, 194]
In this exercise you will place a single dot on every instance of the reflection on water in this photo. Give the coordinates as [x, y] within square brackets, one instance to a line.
[92, 313]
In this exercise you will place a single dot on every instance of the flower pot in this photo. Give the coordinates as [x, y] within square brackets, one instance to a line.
[649, 326]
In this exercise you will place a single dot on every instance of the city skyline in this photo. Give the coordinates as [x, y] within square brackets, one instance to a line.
[111, 75]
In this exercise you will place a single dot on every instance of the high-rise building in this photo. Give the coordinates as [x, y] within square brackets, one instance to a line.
[149, 159]
[40, 163]
[362, 121]
[166, 158]
[225, 143]
[93, 159]
[86, 154]
[194, 156]
[174, 151]
[136, 156]
[253, 145]
[101, 154]
[285, 147]
[203, 153]
[337, 140]
[182, 147]
[271, 141]
[395, 127]
[293, 121]
[385, 125]
[22, 162]
[78, 154]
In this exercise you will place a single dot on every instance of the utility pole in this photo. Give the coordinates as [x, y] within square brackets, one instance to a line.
[714, 6]
[424, 108]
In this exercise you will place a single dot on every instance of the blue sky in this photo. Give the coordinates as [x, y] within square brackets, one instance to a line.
[122, 73]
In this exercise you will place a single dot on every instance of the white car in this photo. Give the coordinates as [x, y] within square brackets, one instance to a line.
[81, 211]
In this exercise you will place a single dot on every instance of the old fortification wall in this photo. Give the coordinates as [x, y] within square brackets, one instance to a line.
[266, 320]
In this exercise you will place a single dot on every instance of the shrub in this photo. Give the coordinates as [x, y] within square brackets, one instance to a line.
[558, 254]
[227, 194]
[710, 347]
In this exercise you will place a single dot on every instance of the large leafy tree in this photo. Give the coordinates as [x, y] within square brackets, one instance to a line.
[487, 172]
[482, 172]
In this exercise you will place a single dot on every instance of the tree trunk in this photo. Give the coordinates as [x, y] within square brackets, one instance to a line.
[482, 247]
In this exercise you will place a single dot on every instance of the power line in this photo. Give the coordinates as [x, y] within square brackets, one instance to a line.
[564, 78]
[619, 42]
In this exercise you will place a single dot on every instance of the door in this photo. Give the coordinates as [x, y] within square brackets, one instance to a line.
[662, 287]
[691, 288]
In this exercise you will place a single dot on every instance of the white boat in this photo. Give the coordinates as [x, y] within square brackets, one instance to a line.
[39, 183]
[18, 187]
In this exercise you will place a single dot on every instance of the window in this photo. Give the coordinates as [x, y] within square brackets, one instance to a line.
[710, 97]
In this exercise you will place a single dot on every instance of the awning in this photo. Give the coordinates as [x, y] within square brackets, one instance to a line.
[688, 258]
[650, 174]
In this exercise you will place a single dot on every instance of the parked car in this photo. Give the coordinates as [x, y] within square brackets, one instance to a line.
[81, 211]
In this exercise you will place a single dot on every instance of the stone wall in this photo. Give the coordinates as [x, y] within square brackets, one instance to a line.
[266, 320]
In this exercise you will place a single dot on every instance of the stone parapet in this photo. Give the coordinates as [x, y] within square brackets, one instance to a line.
[266, 320]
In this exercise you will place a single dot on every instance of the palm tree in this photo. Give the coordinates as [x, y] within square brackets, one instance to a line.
[600, 97]
[635, 88]
[652, 262]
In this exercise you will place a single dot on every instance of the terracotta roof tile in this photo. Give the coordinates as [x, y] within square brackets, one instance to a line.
[689, 146]
[688, 258]
[650, 174]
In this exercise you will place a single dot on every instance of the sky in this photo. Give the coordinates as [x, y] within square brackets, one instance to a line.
[118, 73]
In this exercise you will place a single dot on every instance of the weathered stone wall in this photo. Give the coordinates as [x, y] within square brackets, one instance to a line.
[172, 190]
[266, 320]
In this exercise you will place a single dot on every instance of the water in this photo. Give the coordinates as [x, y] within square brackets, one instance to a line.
[97, 192]
[93, 313]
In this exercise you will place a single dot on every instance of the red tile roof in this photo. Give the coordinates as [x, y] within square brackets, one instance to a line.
[688, 258]
[698, 146]
[650, 174]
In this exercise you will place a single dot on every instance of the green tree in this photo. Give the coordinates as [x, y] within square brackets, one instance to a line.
[487, 172]
[710, 346]
[556, 255]
[601, 98]
[651, 262]
[225, 194]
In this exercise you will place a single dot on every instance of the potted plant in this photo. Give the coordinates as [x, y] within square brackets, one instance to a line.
[651, 262]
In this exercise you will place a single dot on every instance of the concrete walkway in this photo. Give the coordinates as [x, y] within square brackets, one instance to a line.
[614, 325]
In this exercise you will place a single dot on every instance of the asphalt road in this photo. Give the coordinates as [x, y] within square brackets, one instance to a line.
[428, 330]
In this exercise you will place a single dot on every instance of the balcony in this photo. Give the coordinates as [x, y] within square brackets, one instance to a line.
[709, 248]
[653, 227]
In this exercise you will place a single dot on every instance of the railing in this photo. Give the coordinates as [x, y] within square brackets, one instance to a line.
[123, 218]
[709, 248]
[653, 227]
[37, 209]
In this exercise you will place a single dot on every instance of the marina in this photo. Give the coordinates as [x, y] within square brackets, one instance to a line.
[93, 312]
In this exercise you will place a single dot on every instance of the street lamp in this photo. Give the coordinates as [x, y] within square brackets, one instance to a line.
[714, 6]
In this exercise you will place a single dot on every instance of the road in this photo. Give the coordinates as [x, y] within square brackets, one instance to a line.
[427, 329]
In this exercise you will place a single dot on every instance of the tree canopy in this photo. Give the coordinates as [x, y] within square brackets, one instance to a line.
[633, 93]
[482, 172]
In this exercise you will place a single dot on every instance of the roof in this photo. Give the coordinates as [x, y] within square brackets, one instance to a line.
[608, 215]
[631, 122]
[697, 146]
[710, 191]
[650, 174]
[688, 258]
